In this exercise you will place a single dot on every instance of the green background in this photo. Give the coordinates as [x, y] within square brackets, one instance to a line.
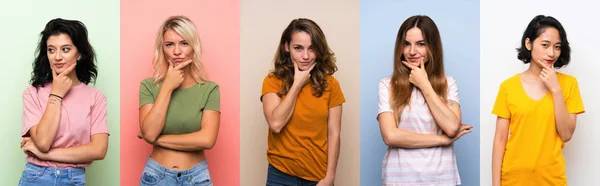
[22, 21]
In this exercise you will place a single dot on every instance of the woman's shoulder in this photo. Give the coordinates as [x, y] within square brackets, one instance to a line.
[209, 85]
[450, 80]
[331, 79]
[565, 77]
[33, 90]
[386, 80]
[512, 80]
[148, 81]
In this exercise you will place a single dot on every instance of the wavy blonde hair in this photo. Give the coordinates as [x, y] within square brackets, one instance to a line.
[186, 29]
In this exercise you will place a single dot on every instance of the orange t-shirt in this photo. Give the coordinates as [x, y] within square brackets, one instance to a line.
[300, 149]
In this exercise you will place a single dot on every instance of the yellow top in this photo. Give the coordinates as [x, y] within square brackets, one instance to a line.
[533, 154]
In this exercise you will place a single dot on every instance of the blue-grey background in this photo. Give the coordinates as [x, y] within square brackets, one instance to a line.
[458, 22]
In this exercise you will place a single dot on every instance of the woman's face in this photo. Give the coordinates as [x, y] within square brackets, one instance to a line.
[176, 49]
[414, 47]
[301, 51]
[545, 49]
[61, 52]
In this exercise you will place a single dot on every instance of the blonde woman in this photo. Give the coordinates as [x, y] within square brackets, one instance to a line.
[179, 109]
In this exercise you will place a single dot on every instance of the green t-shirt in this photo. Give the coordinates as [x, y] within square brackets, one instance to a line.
[185, 108]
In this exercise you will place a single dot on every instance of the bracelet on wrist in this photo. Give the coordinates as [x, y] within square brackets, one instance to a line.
[54, 95]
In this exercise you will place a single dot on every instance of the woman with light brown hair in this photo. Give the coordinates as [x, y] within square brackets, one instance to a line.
[302, 103]
[419, 113]
[179, 109]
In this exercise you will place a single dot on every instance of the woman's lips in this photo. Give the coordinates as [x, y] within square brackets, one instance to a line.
[59, 65]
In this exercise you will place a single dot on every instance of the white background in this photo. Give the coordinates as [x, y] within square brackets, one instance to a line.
[502, 26]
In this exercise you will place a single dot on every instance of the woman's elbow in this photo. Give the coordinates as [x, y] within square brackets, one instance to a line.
[451, 133]
[43, 147]
[275, 127]
[100, 155]
[208, 145]
[566, 138]
[388, 139]
[149, 138]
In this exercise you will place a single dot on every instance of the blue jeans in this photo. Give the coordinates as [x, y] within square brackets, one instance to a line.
[277, 178]
[34, 175]
[156, 174]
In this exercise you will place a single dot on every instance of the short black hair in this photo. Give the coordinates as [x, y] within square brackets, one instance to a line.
[533, 31]
[86, 68]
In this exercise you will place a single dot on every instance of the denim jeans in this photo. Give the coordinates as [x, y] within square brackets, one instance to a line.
[35, 175]
[278, 178]
[155, 174]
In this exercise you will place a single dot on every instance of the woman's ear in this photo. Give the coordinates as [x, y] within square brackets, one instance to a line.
[528, 44]
[287, 47]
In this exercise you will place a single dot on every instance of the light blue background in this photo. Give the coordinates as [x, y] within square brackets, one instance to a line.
[458, 22]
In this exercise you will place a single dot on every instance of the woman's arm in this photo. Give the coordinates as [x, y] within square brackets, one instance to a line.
[447, 116]
[278, 112]
[396, 137]
[334, 125]
[95, 150]
[44, 132]
[204, 139]
[500, 138]
[565, 122]
[153, 116]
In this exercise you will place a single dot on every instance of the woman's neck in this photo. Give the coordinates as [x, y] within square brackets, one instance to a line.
[534, 71]
[188, 81]
[73, 77]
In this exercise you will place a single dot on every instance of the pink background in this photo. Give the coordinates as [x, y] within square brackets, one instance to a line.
[218, 25]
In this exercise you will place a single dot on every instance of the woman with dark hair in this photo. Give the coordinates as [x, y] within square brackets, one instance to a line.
[539, 108]
[302, 103]
[419, 113]
[64, 119]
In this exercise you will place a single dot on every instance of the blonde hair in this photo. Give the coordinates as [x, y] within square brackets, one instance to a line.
[186, 29]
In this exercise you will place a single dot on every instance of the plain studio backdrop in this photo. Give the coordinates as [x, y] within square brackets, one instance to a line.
[501, 32]
[458, 23]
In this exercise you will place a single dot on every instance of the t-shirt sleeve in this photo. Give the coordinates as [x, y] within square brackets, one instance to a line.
[270, 85]
[453, 90]
[336, 95]
[32, 111]
[214, 99]
[573, 100]
[501, 106]
[146, 94]
[384, 97]
[98, 115]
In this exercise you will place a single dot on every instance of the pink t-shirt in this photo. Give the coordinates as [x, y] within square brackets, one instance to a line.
[426, 166]
[82, 115]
